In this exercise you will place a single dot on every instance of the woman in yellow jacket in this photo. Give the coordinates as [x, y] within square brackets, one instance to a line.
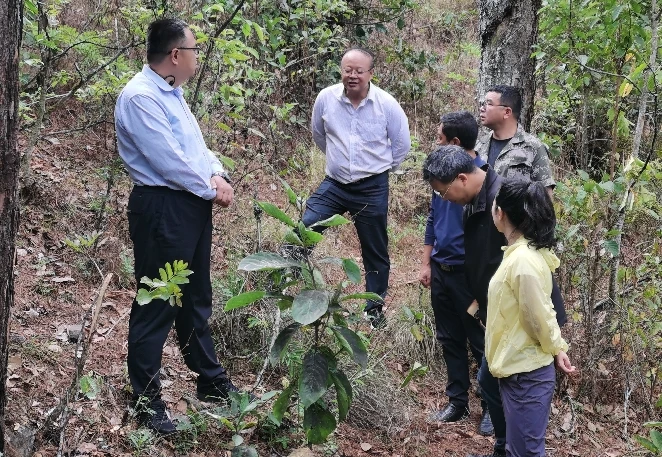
[522, 338]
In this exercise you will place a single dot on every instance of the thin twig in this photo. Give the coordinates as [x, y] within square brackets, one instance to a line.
[61, 412]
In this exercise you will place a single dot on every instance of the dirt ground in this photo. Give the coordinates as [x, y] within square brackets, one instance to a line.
[56, 287]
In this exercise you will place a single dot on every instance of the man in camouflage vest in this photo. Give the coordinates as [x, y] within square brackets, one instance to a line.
[508, 149]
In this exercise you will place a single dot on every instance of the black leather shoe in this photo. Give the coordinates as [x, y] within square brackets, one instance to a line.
[451, 413]
[153, 415]
[486, 428]
[219, 391]
[376, 318]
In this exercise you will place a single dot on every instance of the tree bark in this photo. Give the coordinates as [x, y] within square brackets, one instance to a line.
[508, 30]
[11, 15]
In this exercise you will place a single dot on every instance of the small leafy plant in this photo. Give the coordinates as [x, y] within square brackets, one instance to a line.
[167, 286]
[241, 407]
[319, 312]
[90, 385]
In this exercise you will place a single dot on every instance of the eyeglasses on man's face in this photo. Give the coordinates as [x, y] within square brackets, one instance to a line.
[489, 103]
[351, 71]
[443, 196]
[195, 49]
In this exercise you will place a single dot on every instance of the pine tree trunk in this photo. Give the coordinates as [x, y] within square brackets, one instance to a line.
[508, 30]
[10, 37]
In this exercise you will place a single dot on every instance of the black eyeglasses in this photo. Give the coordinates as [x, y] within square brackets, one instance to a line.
[196, 49]
[486, 103]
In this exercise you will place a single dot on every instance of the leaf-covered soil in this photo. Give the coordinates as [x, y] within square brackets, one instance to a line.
[56, 286]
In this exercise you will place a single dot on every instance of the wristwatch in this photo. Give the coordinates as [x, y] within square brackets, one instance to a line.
[222, 174]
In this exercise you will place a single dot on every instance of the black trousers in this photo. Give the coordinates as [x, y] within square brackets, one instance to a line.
[450, 298]
[367, 202]
[167, 225]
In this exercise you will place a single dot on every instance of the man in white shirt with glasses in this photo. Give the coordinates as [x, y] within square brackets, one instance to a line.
[365, 134]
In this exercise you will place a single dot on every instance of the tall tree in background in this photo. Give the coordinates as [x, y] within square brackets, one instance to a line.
[10, 36]
[508, 29]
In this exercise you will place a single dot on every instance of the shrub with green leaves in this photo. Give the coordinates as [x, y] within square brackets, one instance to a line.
[317, 309]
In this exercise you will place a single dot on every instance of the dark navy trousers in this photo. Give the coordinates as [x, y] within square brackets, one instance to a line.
[367, 202]
[527, 399]
[167, 225]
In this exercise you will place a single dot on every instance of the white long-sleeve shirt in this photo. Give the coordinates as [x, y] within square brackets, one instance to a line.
[359, 142]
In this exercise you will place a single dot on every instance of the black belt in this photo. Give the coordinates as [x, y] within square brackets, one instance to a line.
[358, 181]
[451, 268]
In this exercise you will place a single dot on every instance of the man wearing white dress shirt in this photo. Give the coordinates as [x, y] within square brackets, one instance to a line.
[365, 134]
[176, 181]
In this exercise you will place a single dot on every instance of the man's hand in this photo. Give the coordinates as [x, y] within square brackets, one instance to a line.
[224, 191]
[425, 275]
[563, 362]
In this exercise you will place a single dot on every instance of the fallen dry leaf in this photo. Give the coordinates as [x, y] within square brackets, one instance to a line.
[14, 362]
[366, 446]
[182, 406]
[63, 279]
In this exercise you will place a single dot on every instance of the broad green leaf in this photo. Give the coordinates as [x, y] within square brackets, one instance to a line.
[143, 297]
[237, 440]
[309, 237]
[339, 319]
[416, 331]
[656, 438]
[333, 221]
[343, 392]
[583, 175]
[274, 211]
[225, 421]
[362, 296]
[353, 344]
[244, 299]
[259, 32]
[163, 275]
[292, 238]
[285, 303]
[179, 280]
[314, 373]
[352, 270]
[310, 305]
[281, 404]
[266, 261]
[645, 443]
[169, 270]
[281, 342]
[268, 396]
[318, 422]
[291, 196]
[612, 247]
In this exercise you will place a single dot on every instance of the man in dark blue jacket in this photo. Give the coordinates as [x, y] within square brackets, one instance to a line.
[443, 271]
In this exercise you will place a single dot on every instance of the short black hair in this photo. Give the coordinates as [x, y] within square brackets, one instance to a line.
[461, 125]
[511, 96]
[530, 209]
[364, 51]
[446, 163]
[162, 36]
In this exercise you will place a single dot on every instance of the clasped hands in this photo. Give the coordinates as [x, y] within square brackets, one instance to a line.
[224, 191]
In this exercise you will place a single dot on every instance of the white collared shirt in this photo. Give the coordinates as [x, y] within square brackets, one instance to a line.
[359, 142]
[159, 139]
